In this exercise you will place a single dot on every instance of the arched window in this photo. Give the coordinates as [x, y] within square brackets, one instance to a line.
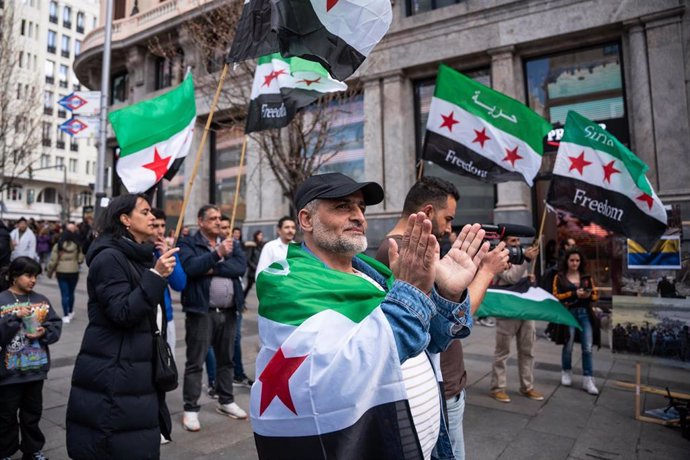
[47, 195]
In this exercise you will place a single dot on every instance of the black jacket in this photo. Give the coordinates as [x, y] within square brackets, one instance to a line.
[5, 245]
[114, 411]
[197, 260]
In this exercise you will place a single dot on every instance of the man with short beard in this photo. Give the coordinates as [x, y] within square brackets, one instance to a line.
[277, 249]
[337, 328]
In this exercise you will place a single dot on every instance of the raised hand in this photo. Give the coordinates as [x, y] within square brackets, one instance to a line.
[457, 268]
[225, 247]
[415, 263]
[496, 260]
[166, 262]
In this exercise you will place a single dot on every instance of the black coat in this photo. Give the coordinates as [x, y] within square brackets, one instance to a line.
[114, 409]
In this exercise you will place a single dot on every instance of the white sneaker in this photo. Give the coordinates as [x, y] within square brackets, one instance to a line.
[164, 440]
[232, 410]
[566, 378]
[71, 316]
[66, 319]
[190, 421]
[588, 385]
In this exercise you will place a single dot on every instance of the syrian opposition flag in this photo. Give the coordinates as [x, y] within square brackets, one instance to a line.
[598, 179]
[284, 85]
[329, 380]
[475, 131]
[154, 137]
[339, 34]
[525, 302]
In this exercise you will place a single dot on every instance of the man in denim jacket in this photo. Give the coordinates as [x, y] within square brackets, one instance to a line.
[426, 307]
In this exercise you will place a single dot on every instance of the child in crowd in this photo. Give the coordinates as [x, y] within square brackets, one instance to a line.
[28, 324]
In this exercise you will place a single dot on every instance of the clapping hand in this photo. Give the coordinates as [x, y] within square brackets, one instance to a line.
[457, 268]
[416, 262]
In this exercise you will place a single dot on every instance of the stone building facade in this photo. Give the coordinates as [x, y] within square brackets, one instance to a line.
[625, 64]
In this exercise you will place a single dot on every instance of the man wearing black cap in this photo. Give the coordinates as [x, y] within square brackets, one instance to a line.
[336, 328]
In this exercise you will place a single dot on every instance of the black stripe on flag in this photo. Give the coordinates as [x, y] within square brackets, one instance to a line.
[300, 33]
[458, 159]
[269, 111]
[254, 36]
[612, 210]
[383, 432]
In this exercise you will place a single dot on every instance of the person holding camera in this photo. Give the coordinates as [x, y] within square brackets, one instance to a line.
[577, 292]
[524, 332]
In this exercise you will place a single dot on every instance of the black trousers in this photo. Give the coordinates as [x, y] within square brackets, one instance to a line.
[21, 406]
[216, 328]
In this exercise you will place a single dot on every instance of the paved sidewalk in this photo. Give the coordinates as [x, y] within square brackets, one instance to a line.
[568, 424]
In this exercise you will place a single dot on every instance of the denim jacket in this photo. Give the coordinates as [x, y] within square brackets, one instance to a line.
[422, 323]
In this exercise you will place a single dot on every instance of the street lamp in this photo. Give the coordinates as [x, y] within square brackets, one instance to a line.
[65, 203]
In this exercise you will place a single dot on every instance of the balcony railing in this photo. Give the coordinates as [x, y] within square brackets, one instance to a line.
[63, 83]
[51, 49]
[62, 114]
[53, 19]
[48, 110]
[74, 147]
[65, 53]
[60, 144]
[50, 80]
[46, 142]
[67, 24]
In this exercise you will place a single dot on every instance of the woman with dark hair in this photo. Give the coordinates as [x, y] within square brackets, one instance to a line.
[575, 289]
[28, 324]
[65, 260]
[114, 409]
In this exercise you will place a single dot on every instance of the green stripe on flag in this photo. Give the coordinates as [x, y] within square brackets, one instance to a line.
[296, 64]
[146, 123]
[582, 131]
[499, 110]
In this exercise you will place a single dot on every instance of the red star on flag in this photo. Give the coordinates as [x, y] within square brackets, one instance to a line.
[159, 165]
[609, 170]
[274, 380]
[579, 163]
[448, 121]
[481, 137]
[310, 82]
[647, 199]
[268, 79]
[330, 4]
[512, 156]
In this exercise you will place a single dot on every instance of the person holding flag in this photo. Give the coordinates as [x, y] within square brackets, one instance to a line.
[335, 327]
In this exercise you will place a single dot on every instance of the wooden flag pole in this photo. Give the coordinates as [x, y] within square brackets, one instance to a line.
[199, 150]
[420, 170]
[539, 234]
[239, 180]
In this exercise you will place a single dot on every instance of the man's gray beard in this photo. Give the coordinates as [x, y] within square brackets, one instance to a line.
[339, 245]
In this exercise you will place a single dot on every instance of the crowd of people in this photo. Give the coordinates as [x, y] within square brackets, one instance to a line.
[669, 339]
[419, 296]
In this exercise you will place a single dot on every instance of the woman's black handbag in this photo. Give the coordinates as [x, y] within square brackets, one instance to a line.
[164, 368]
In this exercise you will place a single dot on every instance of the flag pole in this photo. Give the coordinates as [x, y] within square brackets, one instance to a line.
[539, 234]
[199, 151]
[239, 180]
[420, 170]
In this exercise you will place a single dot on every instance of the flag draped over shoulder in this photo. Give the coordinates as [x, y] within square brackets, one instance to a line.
[598, 179]
[339, 34]
[154, 136]
[284, 85]
[329, 382]
[475, 131]
[522, 301]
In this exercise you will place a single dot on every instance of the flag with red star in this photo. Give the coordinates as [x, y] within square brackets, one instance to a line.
[598, 179]
[282, 86]
[329, 381]
[338, 34]
[478, 132]
[154, 137]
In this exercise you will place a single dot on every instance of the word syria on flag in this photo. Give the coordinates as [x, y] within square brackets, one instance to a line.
[596, 178]
[284, 85]
[154, 136]
[522, 301]
[314, 323]
[475, 131]
[339, 34]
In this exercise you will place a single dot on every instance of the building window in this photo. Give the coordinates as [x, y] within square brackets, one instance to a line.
[64, 71]
[52, 41]
[422, 6]
[80, 22]
[60, 143]
[163, 73]
[48, 101]
[65, 46]
[59, 161]
[72, 165]
[45, 160]
[478, 198]
[49, 69]
[118, 88]
[73, 145]
[22, 29]
[67, 17]
[119, 9]
[45, 134]
[53, 12]
[14, 193]
[225, 165]
[47, 195]
[84, 199]
[77, 47]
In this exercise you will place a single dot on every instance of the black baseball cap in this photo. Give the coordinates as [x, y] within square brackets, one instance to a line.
[335, 185]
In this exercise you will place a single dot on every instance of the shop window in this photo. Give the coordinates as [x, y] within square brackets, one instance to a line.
[478, 199]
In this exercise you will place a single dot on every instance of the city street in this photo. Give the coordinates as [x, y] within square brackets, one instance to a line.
[569, 423]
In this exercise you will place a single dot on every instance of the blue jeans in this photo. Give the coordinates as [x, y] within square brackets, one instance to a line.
[211, 366]
[456, 412]
[67, 284]
[237, 358]
[582, 317]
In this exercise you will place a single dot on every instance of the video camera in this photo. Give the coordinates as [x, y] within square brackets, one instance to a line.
[496, 232]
